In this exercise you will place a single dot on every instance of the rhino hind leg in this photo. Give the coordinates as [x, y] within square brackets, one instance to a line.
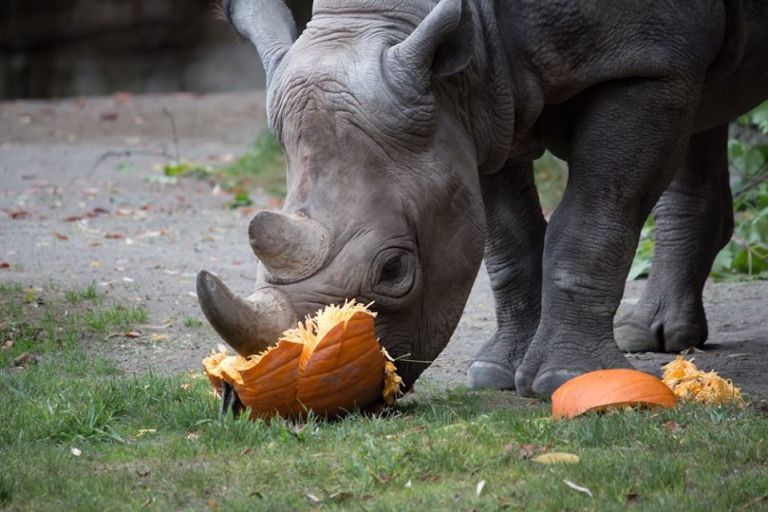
[514, 243]
[694, 220]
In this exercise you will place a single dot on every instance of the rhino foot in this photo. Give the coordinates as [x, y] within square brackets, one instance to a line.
[650, 327]
[550, 363]
[491, 375]
[495, 363]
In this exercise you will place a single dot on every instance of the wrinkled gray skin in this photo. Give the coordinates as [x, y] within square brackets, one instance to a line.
[410, 128]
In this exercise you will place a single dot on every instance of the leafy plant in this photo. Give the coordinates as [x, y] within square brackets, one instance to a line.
[746, 254]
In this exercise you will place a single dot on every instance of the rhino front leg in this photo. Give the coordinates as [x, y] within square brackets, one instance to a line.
[694, 220]
[628, 138]
[513, 248]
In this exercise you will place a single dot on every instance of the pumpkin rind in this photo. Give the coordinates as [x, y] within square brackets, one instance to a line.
[603, 389]
[269, 387]
[330, 364]
[346, 369]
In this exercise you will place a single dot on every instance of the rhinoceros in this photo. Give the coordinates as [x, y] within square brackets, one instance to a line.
[410, 128]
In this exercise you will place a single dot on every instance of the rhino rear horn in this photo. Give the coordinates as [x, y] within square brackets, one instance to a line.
[291, 247]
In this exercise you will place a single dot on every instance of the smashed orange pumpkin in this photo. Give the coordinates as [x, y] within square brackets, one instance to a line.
[330, 364]
[690, 384]
[603, 389]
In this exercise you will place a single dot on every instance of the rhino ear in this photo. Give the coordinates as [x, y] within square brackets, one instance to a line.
[442, 44]
[268, 24]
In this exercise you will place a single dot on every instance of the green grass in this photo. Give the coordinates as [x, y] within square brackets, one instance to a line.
[261, 168]
[157, 442]
[192, 322]
[115, 317]
[78, 296]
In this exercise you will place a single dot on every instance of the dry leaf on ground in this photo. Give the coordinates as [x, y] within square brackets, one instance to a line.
[577, 487]
[557, 458]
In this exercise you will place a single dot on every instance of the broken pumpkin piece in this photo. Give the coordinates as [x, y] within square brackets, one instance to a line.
[331, 364]
[604, 389]
[690, 384]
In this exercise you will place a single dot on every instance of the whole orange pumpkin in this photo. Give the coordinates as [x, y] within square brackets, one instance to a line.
[603, 389]
[330, 364]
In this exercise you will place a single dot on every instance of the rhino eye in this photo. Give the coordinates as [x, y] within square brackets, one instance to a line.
[394, 273]
[391, 270]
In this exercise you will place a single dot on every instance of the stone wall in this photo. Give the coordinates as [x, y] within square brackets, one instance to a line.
[54, 48]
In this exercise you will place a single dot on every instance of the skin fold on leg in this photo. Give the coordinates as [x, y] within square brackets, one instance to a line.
[513, 248]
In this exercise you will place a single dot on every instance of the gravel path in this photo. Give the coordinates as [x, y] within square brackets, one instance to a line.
[70, 217]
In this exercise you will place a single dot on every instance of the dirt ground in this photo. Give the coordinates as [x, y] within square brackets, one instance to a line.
[69, 217]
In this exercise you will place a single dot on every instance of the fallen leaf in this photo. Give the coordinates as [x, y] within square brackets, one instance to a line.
[72, 218]
[4, 265]
[108, 116]
[60, 236]
[556, 458]
[671, 426]
[132, 334]
[526, 451]
[152, 234]
[159, 337]
[122, 96]
[156, 327]
[313, 499]
[480, 487]
[408, 484]
[245, 452]
[18, 214]
[75, 451]
[113, 236]
[25, 359]
[340, 496]
[577, 487]
[8, 344]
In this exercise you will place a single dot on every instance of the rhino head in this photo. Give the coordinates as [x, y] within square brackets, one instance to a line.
[383, 199]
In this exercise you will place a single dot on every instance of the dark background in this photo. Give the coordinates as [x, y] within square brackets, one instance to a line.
[54, 48]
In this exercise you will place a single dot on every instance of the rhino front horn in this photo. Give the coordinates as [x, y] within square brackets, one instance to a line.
[249, 326]
[291, 247]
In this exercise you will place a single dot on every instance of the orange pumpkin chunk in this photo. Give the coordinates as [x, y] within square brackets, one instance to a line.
[604, 389]
[330, 364]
